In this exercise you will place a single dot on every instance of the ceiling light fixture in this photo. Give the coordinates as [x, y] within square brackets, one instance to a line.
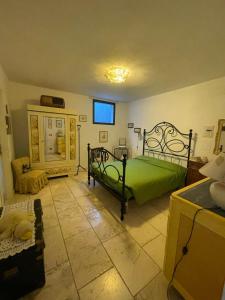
[117, 74]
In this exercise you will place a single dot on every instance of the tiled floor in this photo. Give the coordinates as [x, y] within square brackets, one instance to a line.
[90, 254]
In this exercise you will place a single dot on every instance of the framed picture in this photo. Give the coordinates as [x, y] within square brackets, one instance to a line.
[83, 118]
[49, 123]
[122, 141]
[137, 130]
[130, 125]
[59, 123]
[103, 136]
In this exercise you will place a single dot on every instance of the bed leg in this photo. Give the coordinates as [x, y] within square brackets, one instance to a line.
[122, 212]
[123, 209]
[123, 198]
[89, 175]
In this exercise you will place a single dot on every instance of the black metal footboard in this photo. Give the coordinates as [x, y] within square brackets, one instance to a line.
[98, 164]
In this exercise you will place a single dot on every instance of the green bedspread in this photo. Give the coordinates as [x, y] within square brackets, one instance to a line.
[146, 177]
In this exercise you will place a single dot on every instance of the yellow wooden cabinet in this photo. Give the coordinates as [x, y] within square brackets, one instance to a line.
[52, 139]
[201, 273]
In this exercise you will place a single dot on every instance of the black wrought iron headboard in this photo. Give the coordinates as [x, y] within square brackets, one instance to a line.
[165, 139]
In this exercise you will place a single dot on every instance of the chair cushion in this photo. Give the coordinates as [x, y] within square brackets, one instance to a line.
[32, 182]
[33, 174]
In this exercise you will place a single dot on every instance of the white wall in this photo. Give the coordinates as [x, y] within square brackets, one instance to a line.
[188, 108]
[6, 142]
[191, 107]
[21, 94]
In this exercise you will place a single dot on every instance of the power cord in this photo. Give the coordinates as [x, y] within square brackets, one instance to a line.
[184, 251]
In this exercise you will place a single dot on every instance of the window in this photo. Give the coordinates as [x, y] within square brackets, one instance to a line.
[103, 112]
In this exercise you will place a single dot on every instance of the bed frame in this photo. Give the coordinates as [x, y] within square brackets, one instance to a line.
[164, 141]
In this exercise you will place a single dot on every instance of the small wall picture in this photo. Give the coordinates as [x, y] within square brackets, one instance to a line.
[83, 118]
[137, 130]
[103, 136]
[59, 123]
[122, 142]
[130, 125]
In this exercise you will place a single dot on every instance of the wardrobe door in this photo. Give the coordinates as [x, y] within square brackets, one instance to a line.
[55, 138]
[72, 138]
[34, 121]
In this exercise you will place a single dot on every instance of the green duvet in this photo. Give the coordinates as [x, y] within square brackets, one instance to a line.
[146, 177]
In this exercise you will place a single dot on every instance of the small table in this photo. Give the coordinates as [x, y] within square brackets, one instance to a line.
[193, 174]
[120, 151]
[201, 273]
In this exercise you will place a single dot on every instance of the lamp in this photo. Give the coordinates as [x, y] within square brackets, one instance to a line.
[215, 169]
[79, 165]
[117, 74]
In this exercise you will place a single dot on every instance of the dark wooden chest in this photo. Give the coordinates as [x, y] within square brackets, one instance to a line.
[24, 272]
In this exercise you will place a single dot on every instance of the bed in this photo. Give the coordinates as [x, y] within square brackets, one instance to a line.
[160, 169]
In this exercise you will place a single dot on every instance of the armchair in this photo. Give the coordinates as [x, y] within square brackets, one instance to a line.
[27, 181]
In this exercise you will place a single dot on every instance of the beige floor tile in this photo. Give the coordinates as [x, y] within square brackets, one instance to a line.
[141, 231]
[161, 203]
[133, 264]
[87, 257]
[156, 290]
[73, 224]
[55, 251]
[156, 249]
[115, 211]
[69, 210]
[104, 196]
[49, 216]
[104, 224]
[45, 192]
[146, 211]
[79, 190]
[107, 286]
[57, 180]
[64, 204]
[71, 179]
[109, 201]
[89, 203]
[20, 197]
[143, 212]
[82, 176]
[73, 201]
[59, 286]
[61, 191]
[62, 195]
[159, 221]
[59, 187]
[46, 199]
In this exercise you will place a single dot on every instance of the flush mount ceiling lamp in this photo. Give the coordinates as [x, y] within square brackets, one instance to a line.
[117, 74]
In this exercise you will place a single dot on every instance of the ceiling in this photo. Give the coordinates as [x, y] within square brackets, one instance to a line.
[68, 45]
